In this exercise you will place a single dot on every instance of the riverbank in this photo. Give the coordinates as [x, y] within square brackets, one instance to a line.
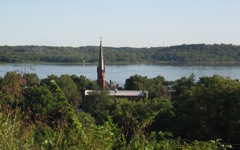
[127, 63]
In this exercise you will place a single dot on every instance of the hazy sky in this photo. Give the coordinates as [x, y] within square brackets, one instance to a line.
[132, 23]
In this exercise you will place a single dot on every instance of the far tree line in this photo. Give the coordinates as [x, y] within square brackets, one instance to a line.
[194, 53]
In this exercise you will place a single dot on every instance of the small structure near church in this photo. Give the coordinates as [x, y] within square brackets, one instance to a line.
[101, 83]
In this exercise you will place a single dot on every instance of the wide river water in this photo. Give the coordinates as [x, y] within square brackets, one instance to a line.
[119, 73]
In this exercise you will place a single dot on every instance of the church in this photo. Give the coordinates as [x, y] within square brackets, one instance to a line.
[102, 84]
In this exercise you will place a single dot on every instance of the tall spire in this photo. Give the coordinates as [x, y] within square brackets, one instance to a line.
[101, 69]
[100, 60]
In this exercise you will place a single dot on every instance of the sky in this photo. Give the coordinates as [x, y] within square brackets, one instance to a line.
[121, 23]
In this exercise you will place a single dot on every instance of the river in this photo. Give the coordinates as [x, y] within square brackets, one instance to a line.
[119, 73]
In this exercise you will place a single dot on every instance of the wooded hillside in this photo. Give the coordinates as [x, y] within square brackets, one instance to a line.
[195, 53]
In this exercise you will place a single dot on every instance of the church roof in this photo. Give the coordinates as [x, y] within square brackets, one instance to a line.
[123, 93]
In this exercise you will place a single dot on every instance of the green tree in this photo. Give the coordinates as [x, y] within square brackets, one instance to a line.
[136, 82]
[82, 82]
[31, 79]
[165, 114]
[98, 103]
[68, 86]
[209, 110]
[157, 88]
[12, 90]
[47, 81]
[70, 90]
[40, 104]
[154, 86]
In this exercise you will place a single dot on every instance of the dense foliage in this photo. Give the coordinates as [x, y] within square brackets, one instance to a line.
[184, 114]
[197, 53]
[208, 109]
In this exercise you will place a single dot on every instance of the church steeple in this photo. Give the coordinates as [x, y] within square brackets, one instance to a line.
[100, 60]
[101, 82]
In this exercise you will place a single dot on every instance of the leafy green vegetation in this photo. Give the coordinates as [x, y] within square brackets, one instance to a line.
[184, 114]
[195, 53]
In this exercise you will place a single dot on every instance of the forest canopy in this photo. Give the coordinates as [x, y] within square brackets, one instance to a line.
[194, 53]
[190, 114]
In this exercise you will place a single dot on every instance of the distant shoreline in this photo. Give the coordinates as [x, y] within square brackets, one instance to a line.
[195, 54]
[126, 63]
